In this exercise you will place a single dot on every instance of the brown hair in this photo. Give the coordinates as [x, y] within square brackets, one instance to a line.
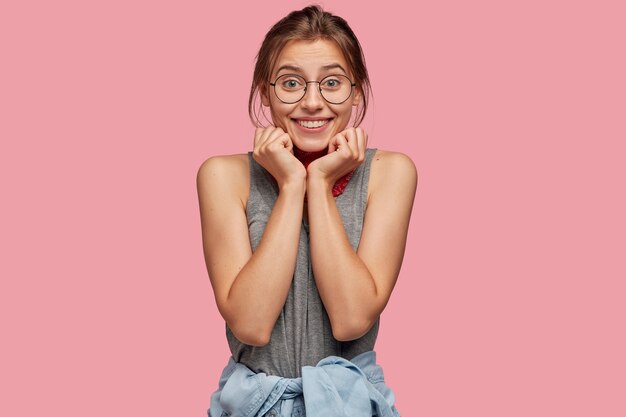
[310, 23]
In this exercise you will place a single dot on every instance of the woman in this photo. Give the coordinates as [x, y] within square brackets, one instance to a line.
[304, 236]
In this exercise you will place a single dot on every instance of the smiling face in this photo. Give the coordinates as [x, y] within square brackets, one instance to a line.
[312, 121]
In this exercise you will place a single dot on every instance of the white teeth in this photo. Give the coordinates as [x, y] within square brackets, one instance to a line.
[312, 123]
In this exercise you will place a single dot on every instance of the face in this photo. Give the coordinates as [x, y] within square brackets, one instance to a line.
[312, 121]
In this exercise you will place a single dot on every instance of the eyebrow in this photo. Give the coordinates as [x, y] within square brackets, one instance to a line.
[299, 69]
[333, 66]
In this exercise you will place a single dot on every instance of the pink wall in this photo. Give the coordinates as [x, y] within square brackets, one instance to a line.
[511, 298]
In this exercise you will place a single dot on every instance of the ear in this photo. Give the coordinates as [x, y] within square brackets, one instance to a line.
[358, 97]
[265, 99]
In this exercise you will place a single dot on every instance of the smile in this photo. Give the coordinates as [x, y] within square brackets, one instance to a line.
[312, 124]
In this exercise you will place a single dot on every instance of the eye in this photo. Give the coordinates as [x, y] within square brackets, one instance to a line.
[291, 83]
[331, 83]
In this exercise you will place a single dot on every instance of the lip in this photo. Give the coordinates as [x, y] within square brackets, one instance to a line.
[296, 121]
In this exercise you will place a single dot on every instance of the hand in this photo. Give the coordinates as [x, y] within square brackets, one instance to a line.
[346, 151]
[273, 150]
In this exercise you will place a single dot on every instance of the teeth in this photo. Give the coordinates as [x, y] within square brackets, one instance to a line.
[312, 123]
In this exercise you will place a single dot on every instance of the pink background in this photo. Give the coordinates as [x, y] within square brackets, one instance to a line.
[511, 301]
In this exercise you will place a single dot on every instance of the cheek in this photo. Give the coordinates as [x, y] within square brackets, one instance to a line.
[279, 116]
[279, 108]
[345, 112]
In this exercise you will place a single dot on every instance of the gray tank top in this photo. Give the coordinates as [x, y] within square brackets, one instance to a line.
[302, 334]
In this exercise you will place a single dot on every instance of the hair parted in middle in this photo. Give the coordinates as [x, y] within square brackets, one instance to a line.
[309, 24]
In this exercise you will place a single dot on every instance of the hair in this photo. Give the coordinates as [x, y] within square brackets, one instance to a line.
[309, 24]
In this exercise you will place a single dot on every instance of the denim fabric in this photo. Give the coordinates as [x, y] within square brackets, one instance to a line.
[334, 387]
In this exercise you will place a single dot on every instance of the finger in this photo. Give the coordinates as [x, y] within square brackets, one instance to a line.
[278, 141]
[258, 134]
[365, 138]
[333, 145]
[279, 137]
[269, 135]
[286, 141]
[263, 134]
[362, 141]
[275, 134]
[353, 142]
[341, 144]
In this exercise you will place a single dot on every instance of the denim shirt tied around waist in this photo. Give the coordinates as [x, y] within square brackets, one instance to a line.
[334, 387]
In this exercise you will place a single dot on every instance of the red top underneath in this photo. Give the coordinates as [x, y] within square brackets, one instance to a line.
[307, 157]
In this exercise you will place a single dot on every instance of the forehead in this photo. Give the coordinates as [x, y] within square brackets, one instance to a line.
[310, 56]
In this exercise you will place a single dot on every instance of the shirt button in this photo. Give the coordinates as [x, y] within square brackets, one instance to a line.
[272, 414]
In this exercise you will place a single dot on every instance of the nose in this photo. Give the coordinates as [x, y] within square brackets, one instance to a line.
[312, 99]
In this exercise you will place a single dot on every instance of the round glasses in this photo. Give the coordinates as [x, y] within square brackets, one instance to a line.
[291, 88]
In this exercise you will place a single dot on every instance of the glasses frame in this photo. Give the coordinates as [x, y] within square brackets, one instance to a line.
[319, 87]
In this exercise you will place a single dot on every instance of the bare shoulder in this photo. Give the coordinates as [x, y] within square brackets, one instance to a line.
[393, 170]
[224, 173]
[221, 163]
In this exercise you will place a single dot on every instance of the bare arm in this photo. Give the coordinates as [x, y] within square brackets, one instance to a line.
[355, 287]
[240, 277]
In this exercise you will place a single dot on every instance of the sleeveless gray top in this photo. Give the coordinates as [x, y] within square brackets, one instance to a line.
[302, 334]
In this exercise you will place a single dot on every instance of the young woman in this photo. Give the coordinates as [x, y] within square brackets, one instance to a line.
[304, 236]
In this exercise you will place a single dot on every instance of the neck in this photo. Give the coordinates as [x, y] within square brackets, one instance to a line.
[307, 157]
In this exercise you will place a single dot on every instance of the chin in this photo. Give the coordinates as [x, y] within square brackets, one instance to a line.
[310, 144]
[307, 147]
